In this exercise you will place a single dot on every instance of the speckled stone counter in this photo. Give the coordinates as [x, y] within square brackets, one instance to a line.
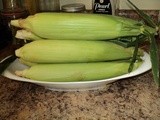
[130, 99]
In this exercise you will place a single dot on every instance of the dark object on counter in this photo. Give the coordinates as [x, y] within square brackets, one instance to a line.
[103, 6]
[5, 35]
[12, 9]
[6, 62]
[76, 7]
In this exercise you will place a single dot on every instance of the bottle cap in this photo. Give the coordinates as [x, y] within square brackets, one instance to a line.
[77, 7]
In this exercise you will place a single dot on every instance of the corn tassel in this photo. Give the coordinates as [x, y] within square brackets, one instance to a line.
[65, 51]
[76, 71]
[70, 26]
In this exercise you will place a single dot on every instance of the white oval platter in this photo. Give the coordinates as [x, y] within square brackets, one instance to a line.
[74, 86]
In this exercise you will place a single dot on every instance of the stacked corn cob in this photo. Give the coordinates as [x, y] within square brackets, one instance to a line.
[76, 47]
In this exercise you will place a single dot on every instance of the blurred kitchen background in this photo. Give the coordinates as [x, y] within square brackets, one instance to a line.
[150, 6]
[142, 4]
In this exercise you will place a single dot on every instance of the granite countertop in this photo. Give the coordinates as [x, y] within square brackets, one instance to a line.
[135, 98]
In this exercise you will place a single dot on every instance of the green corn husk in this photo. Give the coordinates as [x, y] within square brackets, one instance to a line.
[70, 26]
[67, 51]
[75, 72]
[22, 61]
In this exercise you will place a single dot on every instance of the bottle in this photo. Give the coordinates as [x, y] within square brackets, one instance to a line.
[48, 5]
[31, 6]
[12, 9]
[105, 6]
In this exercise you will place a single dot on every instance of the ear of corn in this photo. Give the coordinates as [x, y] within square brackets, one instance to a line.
[79, 26]
[76, 71]
[67, 51]
[76, 43]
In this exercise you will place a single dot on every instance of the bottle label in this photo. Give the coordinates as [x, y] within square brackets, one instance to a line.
[102, 6]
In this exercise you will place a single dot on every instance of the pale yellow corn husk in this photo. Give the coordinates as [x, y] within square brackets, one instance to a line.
[75, 72]
[72, 26]
[69, 51]
[26, 35]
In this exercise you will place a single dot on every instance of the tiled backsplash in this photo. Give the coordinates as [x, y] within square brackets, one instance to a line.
[143, 4]
[151, 7]
[155, 14]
